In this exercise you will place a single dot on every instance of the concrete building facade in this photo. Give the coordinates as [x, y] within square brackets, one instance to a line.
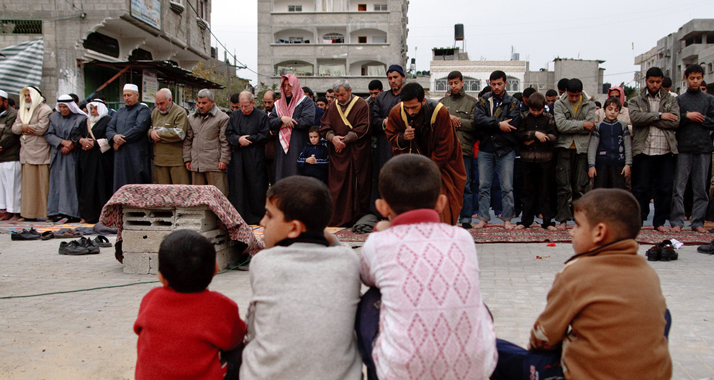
[692, 43]
[83, 39]
[320, 41]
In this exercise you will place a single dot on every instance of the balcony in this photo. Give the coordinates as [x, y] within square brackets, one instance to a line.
[310, 19]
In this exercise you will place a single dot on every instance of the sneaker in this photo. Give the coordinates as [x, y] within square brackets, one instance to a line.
[72, 248]
[89, 244]
[32, 234]
[709, 248]
[654, 253]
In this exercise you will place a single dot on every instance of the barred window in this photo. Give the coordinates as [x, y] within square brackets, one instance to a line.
[10, 26]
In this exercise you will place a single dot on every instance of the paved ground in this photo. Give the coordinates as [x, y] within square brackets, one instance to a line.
[88, 335]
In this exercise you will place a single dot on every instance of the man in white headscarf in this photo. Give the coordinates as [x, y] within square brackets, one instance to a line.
[9, 162]
[32, 123]
[62, 202]
[127, 132]
[95, 162]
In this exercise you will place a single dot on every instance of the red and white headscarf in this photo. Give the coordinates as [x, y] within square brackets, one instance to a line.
[283, 109]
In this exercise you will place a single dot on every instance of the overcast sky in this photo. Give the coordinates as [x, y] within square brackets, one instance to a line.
[538, 30]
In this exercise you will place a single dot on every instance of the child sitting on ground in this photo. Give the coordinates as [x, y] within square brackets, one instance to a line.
[537, 135]
[182, 325]
[314, 159]
[305, 291]
[610, 150]
[432, 321]
[605, 311]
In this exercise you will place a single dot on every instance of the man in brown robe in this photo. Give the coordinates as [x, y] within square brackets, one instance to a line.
[421, 126]
[346, 129]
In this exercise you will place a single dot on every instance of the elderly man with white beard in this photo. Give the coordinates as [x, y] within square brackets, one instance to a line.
[32, 123]
[95, 162]
[168, 129]
[62, 202]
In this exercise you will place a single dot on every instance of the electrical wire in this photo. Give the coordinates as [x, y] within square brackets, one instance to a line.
[104, 287]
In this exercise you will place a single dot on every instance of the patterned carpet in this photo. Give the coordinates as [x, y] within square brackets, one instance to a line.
[496, 234]
[9, 227]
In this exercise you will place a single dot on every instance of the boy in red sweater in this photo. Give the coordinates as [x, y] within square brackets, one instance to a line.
[182, 325]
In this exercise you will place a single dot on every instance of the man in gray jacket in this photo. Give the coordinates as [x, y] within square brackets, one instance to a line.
[654, 116]
[575, 118]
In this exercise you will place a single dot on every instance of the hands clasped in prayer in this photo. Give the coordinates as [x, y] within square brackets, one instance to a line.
[118, 141]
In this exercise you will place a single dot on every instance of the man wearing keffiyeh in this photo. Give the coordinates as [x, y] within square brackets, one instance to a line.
[62, 201]
[292, 117]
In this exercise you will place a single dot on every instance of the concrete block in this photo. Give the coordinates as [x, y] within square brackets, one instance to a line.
[142, 241]
[196, 219]
[227, 257]
[141, 263]
[158, 219]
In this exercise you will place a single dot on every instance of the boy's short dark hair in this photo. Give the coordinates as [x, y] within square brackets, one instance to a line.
[575, 85]
[187, 260]
[667, 82]
[551, 92]
[498, 74]
[308, 92]
[314, 128]
[598, 104]
[321, 99]
[528, 92]
[694, 68]
[518, 96]
[375, 84]
[563, 84]
[455, 75]
[410, 182]
[329, 90]
[412, 90]
[704, 83]
[304, 199]
[614, 101]
[654, 72]
[536, 101]
[616, 208]
[485, 91]
[235, 98]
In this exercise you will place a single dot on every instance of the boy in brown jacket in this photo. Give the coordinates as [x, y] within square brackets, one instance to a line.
[605, 316]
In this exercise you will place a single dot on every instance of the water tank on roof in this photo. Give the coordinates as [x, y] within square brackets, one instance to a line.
[459, 32]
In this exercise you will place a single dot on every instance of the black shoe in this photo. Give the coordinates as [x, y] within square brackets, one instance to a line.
[89, 244]
[466, 225]
[72, 248]
[667, 251]
[654, 253]
[32, 234]
[102, 241]
[709, 248]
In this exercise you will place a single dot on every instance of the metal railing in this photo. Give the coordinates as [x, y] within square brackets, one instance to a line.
[20, 26]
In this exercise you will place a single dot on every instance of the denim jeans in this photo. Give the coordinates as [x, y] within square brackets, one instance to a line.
[504, 168]
[467, 210]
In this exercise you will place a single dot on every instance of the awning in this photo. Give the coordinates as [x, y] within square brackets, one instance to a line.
[166, 71]
[21, 65]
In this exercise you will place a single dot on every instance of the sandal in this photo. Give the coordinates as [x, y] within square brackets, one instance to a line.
[47, 235]
[102, 241]
[64, 233]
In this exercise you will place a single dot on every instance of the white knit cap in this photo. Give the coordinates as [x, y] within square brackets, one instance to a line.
[3, 94]
[131, 87]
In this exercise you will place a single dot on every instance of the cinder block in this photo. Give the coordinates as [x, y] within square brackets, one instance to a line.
[198, 219]
[159, 219]
[227, 257]
[141, 263]
[143, 241]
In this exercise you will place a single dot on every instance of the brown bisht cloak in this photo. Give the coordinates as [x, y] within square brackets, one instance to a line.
[435, 138]
[349, 175]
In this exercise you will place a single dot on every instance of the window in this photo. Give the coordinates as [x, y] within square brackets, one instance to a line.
[333, 38]
[512, 85]
[470, 85]
[102, 44]
[203, 9]
[380, 7]
[20, 26]
[294, 8]
[709, 66]
[362, 40]
[379, 40]
[362, 7]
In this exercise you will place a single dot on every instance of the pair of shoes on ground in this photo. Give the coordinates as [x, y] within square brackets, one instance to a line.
[30, 234]
[663, 251]
[708, 248]
[83, 246]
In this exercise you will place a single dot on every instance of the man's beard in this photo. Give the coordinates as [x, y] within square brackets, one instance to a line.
[94, 119]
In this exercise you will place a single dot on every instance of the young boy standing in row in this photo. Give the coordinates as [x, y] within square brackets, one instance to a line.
[610, 151]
